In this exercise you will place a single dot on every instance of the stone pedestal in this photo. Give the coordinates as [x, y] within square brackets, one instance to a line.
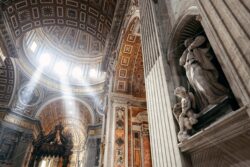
[212, 113]
[229, 126]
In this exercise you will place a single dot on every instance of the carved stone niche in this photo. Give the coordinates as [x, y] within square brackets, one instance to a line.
[182, 58]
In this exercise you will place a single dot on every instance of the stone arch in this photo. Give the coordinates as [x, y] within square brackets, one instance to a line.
[75, 115]
[129, 77]
[135, 17]
[84, 103]
[185, 27]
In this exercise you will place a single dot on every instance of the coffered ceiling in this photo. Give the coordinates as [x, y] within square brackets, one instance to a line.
[73, 33]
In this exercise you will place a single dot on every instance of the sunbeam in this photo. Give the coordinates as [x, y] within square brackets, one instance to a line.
[68, 97]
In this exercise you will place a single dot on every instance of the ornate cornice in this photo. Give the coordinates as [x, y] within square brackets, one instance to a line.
[6, 115]
[128, 99]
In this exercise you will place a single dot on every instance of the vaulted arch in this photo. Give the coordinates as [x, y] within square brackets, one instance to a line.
[74, 115]
[63, 109]
[129, 69]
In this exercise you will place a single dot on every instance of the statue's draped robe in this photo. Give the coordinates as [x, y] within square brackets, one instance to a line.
[202, 74]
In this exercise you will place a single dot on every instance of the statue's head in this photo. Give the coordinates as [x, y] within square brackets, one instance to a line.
[180, 91]
[188, 42]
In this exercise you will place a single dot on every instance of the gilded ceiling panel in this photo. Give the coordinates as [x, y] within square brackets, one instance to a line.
[74, 42]
[92, 16]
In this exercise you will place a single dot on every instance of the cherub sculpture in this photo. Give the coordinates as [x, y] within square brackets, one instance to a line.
[184, 112]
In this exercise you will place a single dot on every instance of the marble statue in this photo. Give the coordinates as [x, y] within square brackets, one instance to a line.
[184, 112]
[201, 73]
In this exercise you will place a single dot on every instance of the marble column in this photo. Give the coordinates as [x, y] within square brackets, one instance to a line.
[108, 149]
[120, 135]
[116, 149]
[162, 128]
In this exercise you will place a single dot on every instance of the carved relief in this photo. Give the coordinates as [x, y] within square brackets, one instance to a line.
[28, 99]
[120, 113]
[29, 96]
[120, 154]
[142, 116]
